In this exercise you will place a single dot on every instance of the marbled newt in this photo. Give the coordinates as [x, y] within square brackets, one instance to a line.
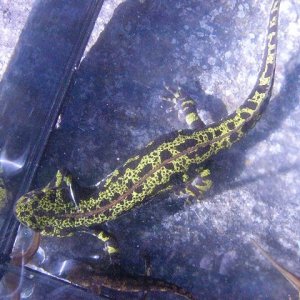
[175, 160]
[3, 192]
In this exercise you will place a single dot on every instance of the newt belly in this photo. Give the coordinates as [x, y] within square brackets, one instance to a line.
[171, 161]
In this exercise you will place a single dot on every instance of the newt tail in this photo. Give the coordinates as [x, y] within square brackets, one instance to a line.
[126, 283]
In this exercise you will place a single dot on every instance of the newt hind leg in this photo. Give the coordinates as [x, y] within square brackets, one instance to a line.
[196, 187]
[187, 109]
[110, 244]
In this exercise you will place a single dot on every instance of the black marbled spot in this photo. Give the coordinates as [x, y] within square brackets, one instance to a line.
[225, 144]
[191, 155]
[52, 197]
[169, 166]
[270, 70]
[107, 213]
[250, 104]
[129, 183]
[151, 146]
[116, 194]
[192, 170]
[188, 143]
[248, 125]
[129, 197]
[159, 176]
[204, 149]
[133, 164]
[233, 137]
[22, 214]
[48, 228]
[165, 154]
[146, 169]
[261, 89]
[209, 135]
[139, 189]
[218, 132]
[63, 232]
[40, 213]
[114, 178]
[245, 115]
[35, 204]
[33, 219]
[176, 178]
[104, 202]
[41, 194]
[230, 125]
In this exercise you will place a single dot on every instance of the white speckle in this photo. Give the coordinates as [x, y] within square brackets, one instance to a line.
[241, 12]
[206, 263]
[275, 149]
[205, 26]
[58, 122]
[251, 36]
[228, 54]
[227, 261]
[211, 61]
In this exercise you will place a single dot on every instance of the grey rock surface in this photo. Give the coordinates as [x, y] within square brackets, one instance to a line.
[213, 50]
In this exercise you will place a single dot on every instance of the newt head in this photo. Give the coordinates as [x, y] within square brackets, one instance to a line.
[40, 209]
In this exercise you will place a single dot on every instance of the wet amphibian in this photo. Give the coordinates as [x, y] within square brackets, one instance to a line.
[3, 192]
[177, 160]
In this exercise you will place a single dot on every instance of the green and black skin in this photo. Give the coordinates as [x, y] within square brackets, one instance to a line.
[3, 192]
[125, 283]
[177, 160]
